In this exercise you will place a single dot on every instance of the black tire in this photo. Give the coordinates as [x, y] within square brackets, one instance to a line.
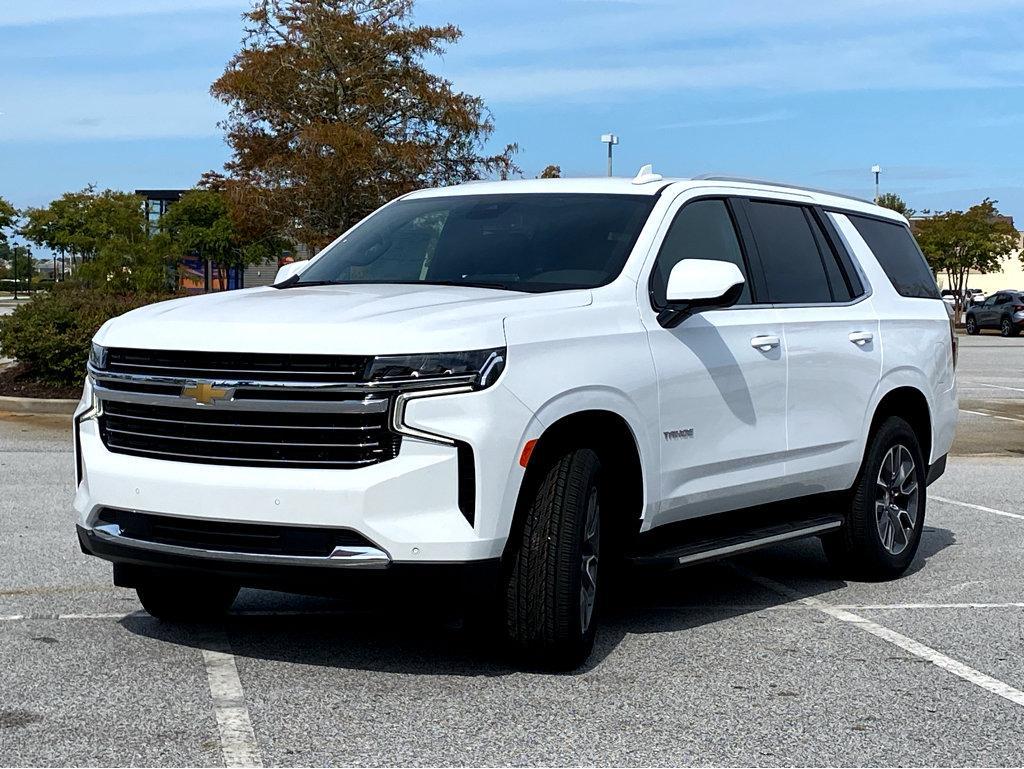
[1006, 328]
[857, 550]
[545, 616]
[186, 600]
[972, 326]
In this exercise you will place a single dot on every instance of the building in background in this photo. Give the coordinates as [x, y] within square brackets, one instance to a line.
[197, 275]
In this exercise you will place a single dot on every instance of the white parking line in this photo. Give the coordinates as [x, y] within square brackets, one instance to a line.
[908, 606]
[993, 416]
[237, 739]
[957, 668]
[998, 387]
[43, 615]
[982, 508]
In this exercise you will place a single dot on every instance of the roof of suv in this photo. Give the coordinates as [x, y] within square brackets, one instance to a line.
[627, 186]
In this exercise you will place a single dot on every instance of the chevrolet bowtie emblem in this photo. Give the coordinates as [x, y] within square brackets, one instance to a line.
[204, 393]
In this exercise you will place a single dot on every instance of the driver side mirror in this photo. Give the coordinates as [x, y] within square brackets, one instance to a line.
[289, 270]
[695, 285]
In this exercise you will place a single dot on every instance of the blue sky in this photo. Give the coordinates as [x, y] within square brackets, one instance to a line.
[116, 91]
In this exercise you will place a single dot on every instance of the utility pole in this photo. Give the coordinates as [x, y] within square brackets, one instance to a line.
[611, 140]
[877, 171]
[14, 266]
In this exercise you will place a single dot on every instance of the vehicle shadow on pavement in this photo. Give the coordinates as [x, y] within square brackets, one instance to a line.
[423, 639]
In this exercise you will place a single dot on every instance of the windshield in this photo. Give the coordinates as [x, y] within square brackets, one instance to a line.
[524, 242]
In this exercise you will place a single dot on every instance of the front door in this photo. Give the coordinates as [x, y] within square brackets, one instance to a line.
[721, 379]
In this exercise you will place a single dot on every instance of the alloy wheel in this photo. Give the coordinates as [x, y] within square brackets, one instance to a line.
[896, 499]
[1006, 328]
[588, 560]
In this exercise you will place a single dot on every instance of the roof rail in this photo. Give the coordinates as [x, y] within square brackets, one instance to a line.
[717, 178]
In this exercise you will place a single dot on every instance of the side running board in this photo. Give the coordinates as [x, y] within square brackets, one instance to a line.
[711, 548]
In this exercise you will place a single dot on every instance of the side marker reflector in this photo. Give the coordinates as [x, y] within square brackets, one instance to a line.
[524, 458]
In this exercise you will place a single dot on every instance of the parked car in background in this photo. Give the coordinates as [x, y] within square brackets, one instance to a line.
[970, 296]
[511, 386]
[975, 296]
[1003, 310]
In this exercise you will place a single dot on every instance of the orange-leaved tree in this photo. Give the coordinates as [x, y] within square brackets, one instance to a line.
[333, 113]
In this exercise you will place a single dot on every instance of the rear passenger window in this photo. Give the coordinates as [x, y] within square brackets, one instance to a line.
[897, 252]
[793, 266]
[701, 230]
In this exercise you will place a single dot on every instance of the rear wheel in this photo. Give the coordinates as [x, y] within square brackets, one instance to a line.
[186, 600]
[1006, 328]
[972, 326]
[887, 503]
[552, 595]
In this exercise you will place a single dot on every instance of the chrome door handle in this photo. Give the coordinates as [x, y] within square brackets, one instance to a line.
[861, 338]
[764, 343]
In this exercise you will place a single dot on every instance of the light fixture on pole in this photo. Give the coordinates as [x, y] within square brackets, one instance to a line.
[611, 140]
[877, 171]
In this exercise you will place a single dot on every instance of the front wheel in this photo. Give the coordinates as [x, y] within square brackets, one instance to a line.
[186, 600]
[552, 586]
[972, 326]
[886, 516]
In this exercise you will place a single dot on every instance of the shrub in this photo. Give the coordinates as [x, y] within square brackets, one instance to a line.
[52, 332]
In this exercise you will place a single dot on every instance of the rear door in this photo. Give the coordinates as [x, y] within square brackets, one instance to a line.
[721, 376]
[831, 336]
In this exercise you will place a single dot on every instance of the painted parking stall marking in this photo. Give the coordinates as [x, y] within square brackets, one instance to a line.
[982, 508]
[237, 738]
[937, 658]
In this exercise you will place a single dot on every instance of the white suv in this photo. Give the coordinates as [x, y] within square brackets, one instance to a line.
[512, 386]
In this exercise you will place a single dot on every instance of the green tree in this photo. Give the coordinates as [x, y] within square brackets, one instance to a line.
[8, 219]
[105, 233]
[201, 225]
[551, 172]
[333, 113]
[957, 243]
[894, 202]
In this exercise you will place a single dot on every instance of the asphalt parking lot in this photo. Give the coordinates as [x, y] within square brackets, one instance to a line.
[765, 659]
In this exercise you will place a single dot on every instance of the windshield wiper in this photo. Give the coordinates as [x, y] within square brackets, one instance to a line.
[468, 284]
[294, 282]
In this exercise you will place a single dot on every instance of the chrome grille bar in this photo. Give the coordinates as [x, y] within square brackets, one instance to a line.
[377, 405]
[371, 444]
[239, 410]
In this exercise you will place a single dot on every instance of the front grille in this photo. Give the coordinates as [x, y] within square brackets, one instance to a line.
[237, 365]
[248, 438]
[234, 537]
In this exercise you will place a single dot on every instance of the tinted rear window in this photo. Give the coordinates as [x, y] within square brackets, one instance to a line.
[897, 252]
[789, 253]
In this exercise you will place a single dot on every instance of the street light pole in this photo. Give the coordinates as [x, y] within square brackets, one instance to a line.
[14, 266]
[611, 140]
[877, 171]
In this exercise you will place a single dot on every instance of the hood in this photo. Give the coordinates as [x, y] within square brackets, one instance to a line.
[340, 320]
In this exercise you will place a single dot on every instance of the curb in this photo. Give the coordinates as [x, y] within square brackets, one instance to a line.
[15, 405]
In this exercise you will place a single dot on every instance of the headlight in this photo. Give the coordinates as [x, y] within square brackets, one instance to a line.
[98, 356]
[477, 367]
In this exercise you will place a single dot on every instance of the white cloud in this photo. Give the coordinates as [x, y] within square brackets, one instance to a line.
[821, 64]
[512, 27]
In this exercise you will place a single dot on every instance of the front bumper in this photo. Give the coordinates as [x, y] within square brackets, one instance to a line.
[134, 566]
[406, 507]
